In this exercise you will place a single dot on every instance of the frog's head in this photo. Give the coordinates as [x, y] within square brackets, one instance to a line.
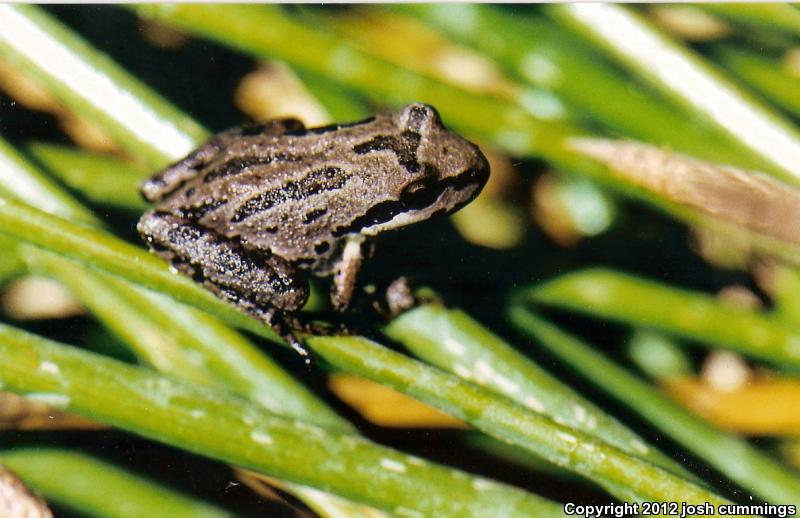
[441, 172]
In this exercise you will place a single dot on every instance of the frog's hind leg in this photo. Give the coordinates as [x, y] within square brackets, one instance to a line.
[263, 285]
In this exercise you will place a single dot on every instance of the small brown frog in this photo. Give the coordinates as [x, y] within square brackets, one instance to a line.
[257, 209]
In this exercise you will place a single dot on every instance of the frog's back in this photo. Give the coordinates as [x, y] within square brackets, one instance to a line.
[299, 193]
[285, 193]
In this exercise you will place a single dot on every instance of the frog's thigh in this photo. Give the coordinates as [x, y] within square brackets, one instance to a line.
[344, 281]
[257, 283]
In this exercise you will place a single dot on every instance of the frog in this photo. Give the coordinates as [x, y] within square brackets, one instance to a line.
[259, 209]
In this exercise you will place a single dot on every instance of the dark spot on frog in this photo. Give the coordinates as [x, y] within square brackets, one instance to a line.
[235, 166]
[314, 215]
[403, 145]
[208, 205]
[323, 247]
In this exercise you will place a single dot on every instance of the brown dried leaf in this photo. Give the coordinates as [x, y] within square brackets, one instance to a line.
[18, 413]
[748, 199]
[16, 500]
[273, 91]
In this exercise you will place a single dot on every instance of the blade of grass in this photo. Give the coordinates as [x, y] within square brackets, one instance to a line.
[768, 15]
[763, 73]
[658, 356]
[742, 463]
[340, 104]
[453, 341]
[102, 179]
[11, 263]
[21, 179]
[222, 426]
[687, 78]
[503, 419]
[545, 56]
[83, 483]
[693, 315]
[96, 87]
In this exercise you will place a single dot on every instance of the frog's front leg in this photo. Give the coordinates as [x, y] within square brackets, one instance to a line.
[344, 279]
[263, 285]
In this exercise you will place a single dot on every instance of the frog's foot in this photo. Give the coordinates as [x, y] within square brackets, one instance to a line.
[317, 324]
[399, 297]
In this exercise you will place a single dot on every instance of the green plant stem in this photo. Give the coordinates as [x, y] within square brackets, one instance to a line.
[341, 104]
[11, 262]
[91, 84]
[765, 74]
[89, 485]
[747, 466]
[785, 284]
[542, 54]
[692, 315]
[502, 419]
[21, 179]
[102, 179]
[691, 81]
[220, 425]
[659, 356]
[453, 341]
[768, 15]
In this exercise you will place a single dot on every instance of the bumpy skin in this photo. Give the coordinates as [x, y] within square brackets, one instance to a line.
[255, 210]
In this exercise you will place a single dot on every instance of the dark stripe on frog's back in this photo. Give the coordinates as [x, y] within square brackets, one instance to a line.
[317, 181]
[237, 166]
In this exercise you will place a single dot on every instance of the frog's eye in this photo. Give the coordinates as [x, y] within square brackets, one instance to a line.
[418, 117]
